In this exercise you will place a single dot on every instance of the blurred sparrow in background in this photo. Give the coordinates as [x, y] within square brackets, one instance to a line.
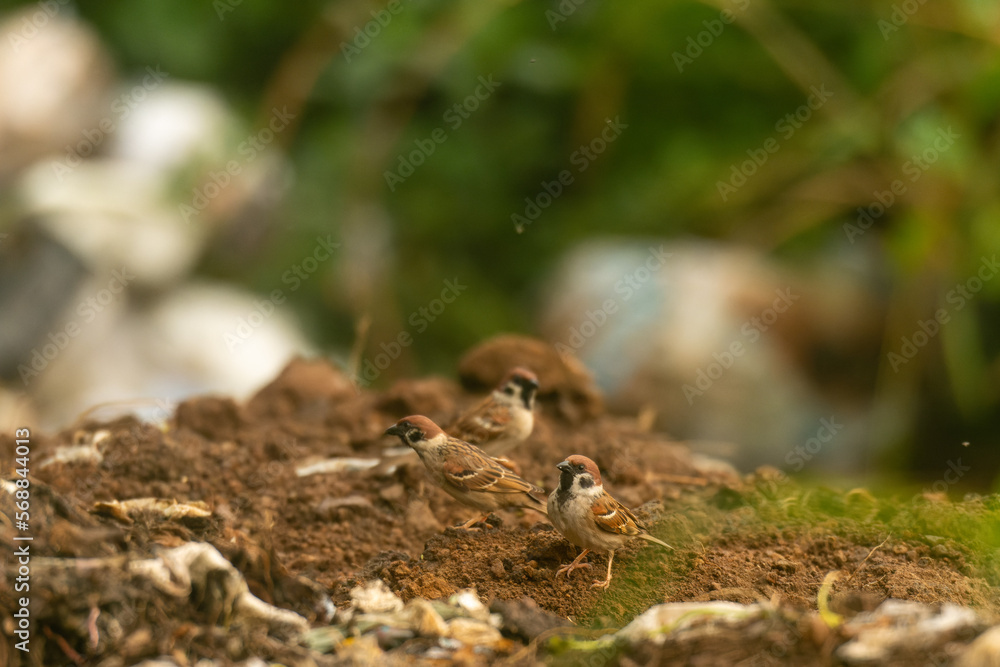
[504, 419]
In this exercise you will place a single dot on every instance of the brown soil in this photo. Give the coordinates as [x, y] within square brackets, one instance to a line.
[297, 539]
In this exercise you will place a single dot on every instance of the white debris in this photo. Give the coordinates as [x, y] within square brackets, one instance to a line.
[659, 621]
[903, 624]
[89, 452]
[474, 633]
[375, 598]
[177, 571]
[336, 465]
[984, 652]
[123, 510]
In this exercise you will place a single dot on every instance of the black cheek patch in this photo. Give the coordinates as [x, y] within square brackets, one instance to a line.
[527, 395]
[586, 481]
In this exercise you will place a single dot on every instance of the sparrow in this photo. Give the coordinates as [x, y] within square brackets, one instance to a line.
[589, 517]
[467, 473]
[503, 419]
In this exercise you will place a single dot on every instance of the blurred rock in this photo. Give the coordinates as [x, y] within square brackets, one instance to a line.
[175, 125]
[55, 84]
[114, 214]
[723, 346]
[196, 339]
[110, 214]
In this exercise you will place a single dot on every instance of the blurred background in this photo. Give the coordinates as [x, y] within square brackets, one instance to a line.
[770, 228]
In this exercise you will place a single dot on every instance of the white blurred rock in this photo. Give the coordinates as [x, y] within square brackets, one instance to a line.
[113, 214]
[176, 125]
[189, 342]
[657, 322]
[55, 79]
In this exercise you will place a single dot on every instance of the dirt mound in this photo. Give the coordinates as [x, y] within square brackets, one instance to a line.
[302, 537]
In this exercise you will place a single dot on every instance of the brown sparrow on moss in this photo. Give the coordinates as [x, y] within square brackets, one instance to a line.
[589, 517]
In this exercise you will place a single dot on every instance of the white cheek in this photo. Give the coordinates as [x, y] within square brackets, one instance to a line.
[588, 492]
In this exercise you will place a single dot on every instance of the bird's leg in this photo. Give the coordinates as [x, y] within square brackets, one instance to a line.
[575, 565]
[607, 581]
[468, 525]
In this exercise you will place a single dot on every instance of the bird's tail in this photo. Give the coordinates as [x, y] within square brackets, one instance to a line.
[539, 506]
[650, 538]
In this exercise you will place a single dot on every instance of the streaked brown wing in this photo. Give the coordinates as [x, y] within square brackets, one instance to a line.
[508, 464]
[486, 422]
[472, 470]
[613, 517]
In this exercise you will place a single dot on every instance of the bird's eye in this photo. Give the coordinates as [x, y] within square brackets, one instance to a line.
[579, 466]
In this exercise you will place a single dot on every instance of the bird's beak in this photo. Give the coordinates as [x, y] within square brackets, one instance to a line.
[564, 466]
[395, 429]
[529, 383]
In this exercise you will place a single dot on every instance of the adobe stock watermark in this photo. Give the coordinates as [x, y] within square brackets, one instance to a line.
[626, 288]
[955, 472]
[121, 108]
[566, 9]
[458, 113]
[581, 158]
[223, 7]
[420, 319]
[86, 311]
[294, 277]
[31, 25]
[800, 455]
[901, 14]
[751, 331]
[786, 127]
[249, 149]
[914, 168]
[363, 35]
[927, 329]
[697, 44]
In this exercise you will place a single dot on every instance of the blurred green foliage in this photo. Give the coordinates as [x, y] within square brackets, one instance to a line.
[701, 86]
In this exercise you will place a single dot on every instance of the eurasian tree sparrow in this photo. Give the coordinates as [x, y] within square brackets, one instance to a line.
[467, 473]
[503, 419]
[589, 517]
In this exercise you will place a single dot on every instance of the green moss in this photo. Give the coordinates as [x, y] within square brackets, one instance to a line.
[967, 533]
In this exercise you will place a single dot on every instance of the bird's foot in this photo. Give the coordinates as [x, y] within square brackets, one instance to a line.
[569, 567]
